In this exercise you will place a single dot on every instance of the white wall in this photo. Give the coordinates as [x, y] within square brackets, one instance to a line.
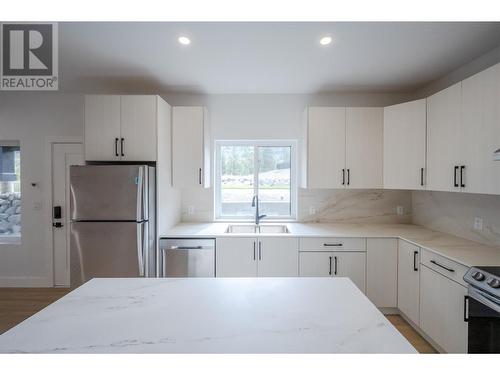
[31, 118]
[280, 117]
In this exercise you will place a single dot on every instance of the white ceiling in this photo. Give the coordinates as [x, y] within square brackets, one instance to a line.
[266, 57]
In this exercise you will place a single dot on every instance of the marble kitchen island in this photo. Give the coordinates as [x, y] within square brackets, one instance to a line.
[240, 315]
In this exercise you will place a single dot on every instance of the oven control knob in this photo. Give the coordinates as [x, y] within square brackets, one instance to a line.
[478, 276]
[494, 283]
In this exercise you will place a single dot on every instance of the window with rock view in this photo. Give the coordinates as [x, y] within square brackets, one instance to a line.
[10, 192]
[255, 168]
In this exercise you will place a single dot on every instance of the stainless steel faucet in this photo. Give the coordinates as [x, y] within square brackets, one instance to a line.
[255, 203]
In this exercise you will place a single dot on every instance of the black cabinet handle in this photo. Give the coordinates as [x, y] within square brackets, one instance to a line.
[455, 183]
[348, 176]
[421, 176]
[121, 145]
[443, 267]
[415, 253]
[332, 244]
[462, 169]
[199, 176]
[343, 176]
[335, 269]
[330, 267]
[254, 250]
[116, 147]
[466, 317]
[260, 250]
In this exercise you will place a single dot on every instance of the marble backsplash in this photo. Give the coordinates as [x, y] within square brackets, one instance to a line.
[348, 206]
[454, 213]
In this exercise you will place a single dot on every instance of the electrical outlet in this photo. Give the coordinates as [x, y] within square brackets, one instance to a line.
[312, 210]
[400, 210]
[478, 223]
[190, 210]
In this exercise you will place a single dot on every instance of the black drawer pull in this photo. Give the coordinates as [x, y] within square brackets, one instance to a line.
[444, 267]
[455, 182]
[333, 244]
[462, 169]
[415, 253]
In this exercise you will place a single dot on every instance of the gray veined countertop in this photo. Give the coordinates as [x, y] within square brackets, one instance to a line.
[466, 252]
[240, 315]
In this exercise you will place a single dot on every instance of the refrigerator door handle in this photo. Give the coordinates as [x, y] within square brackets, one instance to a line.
[145, 193]
[140, 249]
[140, 188]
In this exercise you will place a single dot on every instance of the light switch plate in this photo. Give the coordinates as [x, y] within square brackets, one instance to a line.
[400, 210]
[312, 210]
[190, 210]
[478, 223]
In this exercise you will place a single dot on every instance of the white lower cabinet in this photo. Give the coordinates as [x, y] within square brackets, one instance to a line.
[382, 271]
[236, 257]
[278, 257]
[409, 280]
[256, 256]
[442, 311]
[350, 264]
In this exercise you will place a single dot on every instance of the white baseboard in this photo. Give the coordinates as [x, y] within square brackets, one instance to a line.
[25, 282]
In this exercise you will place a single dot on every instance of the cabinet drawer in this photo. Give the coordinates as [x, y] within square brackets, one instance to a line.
[332, 244]
[444, 266]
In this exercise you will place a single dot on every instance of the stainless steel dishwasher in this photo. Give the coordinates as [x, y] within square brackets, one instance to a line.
[187, 257]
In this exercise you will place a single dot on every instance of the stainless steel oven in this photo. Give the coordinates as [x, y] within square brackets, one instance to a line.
[482, 309]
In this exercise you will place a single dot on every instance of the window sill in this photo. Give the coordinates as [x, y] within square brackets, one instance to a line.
[10, 240]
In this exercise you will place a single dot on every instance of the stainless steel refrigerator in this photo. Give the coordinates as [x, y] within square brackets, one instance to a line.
[112, 222]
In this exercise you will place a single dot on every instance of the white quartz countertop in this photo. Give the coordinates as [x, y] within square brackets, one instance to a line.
[240, 315]
[468, 253]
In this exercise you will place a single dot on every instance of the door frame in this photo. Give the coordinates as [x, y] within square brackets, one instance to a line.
[49, 243]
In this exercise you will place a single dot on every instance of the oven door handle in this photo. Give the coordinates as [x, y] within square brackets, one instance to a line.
[485, 298]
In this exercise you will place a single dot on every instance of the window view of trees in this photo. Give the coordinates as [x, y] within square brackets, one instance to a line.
[242, 177]
[10, 191]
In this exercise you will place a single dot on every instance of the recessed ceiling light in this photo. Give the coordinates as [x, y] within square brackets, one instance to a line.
[184, 40]
[325, 40]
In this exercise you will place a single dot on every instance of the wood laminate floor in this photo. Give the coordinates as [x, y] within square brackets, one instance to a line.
[17, 304]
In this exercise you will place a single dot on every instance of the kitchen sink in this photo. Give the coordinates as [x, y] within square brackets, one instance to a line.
[267, 228]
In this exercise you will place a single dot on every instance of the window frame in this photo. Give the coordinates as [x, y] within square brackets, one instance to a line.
[15, 240]
[256, 144]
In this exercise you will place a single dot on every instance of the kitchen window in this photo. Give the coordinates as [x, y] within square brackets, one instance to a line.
[245, 169]
[10, 192]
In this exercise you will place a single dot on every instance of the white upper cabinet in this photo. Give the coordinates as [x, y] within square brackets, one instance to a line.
[481, 132]
[121, 128]
[324, 148]
[342, 148]
[102, 127]
[138, 127]
[364, 142]
[190, 147]
[404, 145]
[443, 139]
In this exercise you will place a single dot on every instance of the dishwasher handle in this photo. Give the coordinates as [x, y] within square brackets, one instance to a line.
[188, 247]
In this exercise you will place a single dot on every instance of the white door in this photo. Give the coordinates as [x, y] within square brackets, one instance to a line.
[325, 147]
[351, 265]
[443, 138]
[442, 311]
[409, 280]
[404, 145]
[236, 257]
[382, 271]
[188, 146]
[138, 127]
[481, 131]
[315, 263]
[63, 155]
[278, 256]
[364, 137]
[102, 127]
